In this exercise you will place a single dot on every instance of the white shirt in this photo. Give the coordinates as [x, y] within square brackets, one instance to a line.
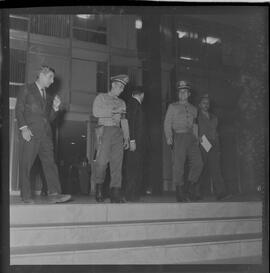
[137, 98]
[40, 90]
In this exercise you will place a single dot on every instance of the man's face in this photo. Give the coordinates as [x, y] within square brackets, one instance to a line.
[141, 97]
[46, 79]
[117, 88]
[183, 94]
[204, 104]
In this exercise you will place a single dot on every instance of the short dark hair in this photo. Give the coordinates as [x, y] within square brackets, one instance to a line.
[45, 69]
[137, 90]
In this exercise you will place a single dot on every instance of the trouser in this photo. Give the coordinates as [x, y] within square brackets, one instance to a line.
[36, 171]
[42, 146]
[211, 162]
[186, 147]
[134, 173]
[111, 151]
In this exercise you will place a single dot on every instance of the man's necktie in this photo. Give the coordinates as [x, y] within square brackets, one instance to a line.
[43, 93]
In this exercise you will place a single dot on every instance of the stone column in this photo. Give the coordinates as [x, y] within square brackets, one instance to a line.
[153, 100]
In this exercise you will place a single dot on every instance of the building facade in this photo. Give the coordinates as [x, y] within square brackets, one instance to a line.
[155, 51]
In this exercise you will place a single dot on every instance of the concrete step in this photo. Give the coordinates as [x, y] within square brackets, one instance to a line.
[159, 251]
[92, 213]
[234, 260]
[73, 233]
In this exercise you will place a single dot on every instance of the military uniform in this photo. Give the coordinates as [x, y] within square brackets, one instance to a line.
[111, 131]
[179, 126]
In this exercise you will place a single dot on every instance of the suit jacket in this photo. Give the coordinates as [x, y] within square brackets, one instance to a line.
[34, 111]
[136, 122]
[208, 127]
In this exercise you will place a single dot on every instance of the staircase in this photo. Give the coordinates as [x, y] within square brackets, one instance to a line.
[136, 233]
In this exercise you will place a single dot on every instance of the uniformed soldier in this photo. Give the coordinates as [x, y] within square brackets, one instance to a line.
[112, 136]
[179, 127]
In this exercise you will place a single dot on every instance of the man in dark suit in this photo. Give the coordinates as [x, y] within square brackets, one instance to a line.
[34, 113]
[134, 156]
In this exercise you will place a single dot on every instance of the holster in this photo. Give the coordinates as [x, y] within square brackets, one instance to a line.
[99, 131]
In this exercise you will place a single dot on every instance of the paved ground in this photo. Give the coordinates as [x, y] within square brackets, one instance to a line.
[165, 198]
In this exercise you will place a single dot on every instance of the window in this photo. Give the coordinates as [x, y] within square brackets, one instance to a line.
[189, 45]
[90, 28]
[17, 22]
[102, 77]
[17, 70]
[198, 48]
[117, 70]
[51, 25]
[212, 51]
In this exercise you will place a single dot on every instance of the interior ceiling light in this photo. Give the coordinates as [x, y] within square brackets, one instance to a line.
[138, 23]
[188, 58]
[83, 136]
[181, 34]
[211, 40]
[72, 143]
[85, 16]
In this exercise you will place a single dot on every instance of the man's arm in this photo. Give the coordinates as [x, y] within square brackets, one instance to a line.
[131, 116]
[19, 112]
[100, 109]
[20, 106]
[54, 108]
[168, 125]
[124, 126]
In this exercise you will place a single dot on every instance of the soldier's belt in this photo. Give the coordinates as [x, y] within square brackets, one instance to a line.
[110, 125]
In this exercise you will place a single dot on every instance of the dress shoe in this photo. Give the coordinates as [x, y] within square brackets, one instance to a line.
[115, 196]
[223, 196]
[99, 194]
[28, 201]
[43, 193]
[132, 198]
[54, 198]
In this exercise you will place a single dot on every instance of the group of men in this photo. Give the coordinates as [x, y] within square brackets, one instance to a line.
[186, 130]
[119, 128]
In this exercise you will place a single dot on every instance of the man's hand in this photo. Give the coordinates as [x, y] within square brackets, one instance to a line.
[56, 103]
[116, 117]
[132, 147]
[169, 141]
[118, 110]
[26, 134]
[126, 144]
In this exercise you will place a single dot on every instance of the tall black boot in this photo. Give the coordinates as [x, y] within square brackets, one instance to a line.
[99, 193]
[115, 195]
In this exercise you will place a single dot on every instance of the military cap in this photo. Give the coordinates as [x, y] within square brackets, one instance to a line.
[182, 85]
[204, 96]
[124, 79]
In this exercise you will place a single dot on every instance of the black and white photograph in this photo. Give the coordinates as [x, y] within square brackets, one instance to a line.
[135, 136]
